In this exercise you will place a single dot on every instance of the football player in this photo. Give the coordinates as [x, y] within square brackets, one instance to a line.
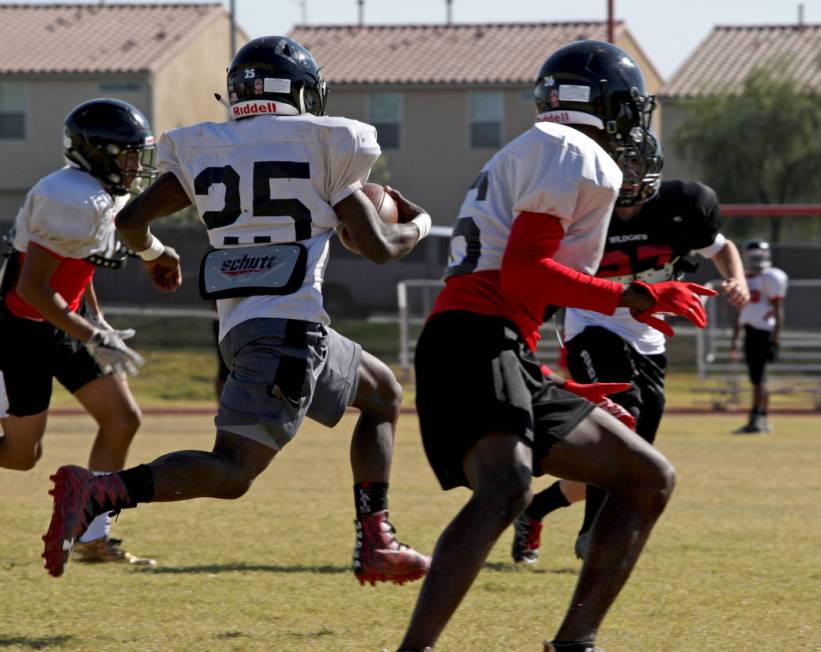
[270, 186]
[654, 227]
[64, 228]
[763, 321]
[529, 235]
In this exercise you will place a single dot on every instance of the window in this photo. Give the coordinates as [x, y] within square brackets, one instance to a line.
[12, 110]
[385, 113]
[486, 119]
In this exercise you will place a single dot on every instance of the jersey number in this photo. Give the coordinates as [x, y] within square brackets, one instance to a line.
[263, 204]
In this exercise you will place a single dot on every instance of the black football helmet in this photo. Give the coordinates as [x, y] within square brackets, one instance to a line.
[97, 132]
[275, 75]
[757, 256]
[597, 84]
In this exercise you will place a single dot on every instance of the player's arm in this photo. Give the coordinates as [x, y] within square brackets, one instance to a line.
[734, 338]
[529, 271]
[778, 308]
[164, 197]
[33, 287]
[734, 286]
[378, 241]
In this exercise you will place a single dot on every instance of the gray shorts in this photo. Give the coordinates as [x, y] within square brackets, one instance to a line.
[281, 371]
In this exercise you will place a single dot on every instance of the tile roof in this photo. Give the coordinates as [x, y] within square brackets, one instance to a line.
[440, 54]
[730, 53]
[86, 38]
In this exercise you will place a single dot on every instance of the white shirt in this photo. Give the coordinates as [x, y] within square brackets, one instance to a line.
[769, 285]
[70, 213]
[551, 169]
[275, 178]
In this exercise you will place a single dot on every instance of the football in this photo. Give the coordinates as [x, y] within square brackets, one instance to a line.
[385, 207]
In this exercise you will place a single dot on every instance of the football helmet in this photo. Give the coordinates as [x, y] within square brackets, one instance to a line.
[275, 75]
[101, 135]
[757, 256]
[597, 84]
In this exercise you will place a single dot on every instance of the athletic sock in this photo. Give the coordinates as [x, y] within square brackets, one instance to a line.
[97, 529]
[139, 482]
[546, 501]
[370, 497]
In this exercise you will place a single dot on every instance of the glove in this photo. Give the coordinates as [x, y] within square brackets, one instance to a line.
[597, 393]
[677, 298]
[772, 351]
[98, 321]
[110, 352]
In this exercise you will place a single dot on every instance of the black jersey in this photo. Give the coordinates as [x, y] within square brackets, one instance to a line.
[682, 217]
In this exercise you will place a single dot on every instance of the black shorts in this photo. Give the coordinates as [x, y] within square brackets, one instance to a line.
[34, 352]
[475, 375]
[758, 345]
[597, 355]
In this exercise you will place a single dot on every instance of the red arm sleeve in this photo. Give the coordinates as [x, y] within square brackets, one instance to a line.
[530, 273]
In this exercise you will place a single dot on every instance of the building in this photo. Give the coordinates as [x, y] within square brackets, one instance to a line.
[166, 59]
[720, 64]
[444, 97]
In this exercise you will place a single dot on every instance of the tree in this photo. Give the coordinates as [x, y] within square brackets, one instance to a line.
[760, 146]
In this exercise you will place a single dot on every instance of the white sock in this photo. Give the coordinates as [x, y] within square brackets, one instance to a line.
[99, 527]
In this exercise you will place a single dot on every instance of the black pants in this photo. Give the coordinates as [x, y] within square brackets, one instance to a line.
[758, 351]
[599, 355]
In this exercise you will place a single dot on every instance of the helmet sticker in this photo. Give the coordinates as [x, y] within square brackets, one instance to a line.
[274, 85]
[574, 93]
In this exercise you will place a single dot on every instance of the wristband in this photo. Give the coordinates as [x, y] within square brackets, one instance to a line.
[424, 223]
[153, 251]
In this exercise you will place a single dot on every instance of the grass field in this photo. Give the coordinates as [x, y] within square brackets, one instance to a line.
[734, 564]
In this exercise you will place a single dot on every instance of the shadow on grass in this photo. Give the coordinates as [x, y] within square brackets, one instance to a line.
[240, 567]
[33, 642]
[508, 567]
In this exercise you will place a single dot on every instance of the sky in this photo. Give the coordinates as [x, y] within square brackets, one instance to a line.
[667, 30]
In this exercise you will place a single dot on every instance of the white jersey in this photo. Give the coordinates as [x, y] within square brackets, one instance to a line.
[766, 287]
[70, 213]
[551, 169]
[272, 179]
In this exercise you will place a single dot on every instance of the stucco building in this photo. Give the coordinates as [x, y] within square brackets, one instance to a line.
[166, 59]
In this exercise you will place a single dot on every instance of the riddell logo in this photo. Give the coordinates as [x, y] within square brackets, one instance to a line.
[557, 116]
[253, 108]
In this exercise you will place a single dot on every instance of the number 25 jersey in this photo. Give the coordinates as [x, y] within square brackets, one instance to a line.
[272, 179]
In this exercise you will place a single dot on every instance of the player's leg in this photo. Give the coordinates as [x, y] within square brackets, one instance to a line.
[275, 364]
[354, 377]
[638, 481]
[527, 528]
[21, 443]
[597, 355]
[756, 348]
[25, 389]
[498, 468]
[474, 389]
[109, 401]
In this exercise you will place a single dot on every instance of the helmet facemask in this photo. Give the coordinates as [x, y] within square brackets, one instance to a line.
[634, 148]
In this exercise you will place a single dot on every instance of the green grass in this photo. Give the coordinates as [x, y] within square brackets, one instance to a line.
[733, 566]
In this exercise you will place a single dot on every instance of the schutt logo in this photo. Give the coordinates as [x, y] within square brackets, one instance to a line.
[247, 265]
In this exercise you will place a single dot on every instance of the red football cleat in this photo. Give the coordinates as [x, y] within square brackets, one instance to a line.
[379, 557]
[79, 496]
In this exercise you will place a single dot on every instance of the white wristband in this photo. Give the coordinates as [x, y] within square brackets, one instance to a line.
[153, 251]
[424, 223]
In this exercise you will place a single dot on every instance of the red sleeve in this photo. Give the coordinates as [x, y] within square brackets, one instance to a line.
[530, 273]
